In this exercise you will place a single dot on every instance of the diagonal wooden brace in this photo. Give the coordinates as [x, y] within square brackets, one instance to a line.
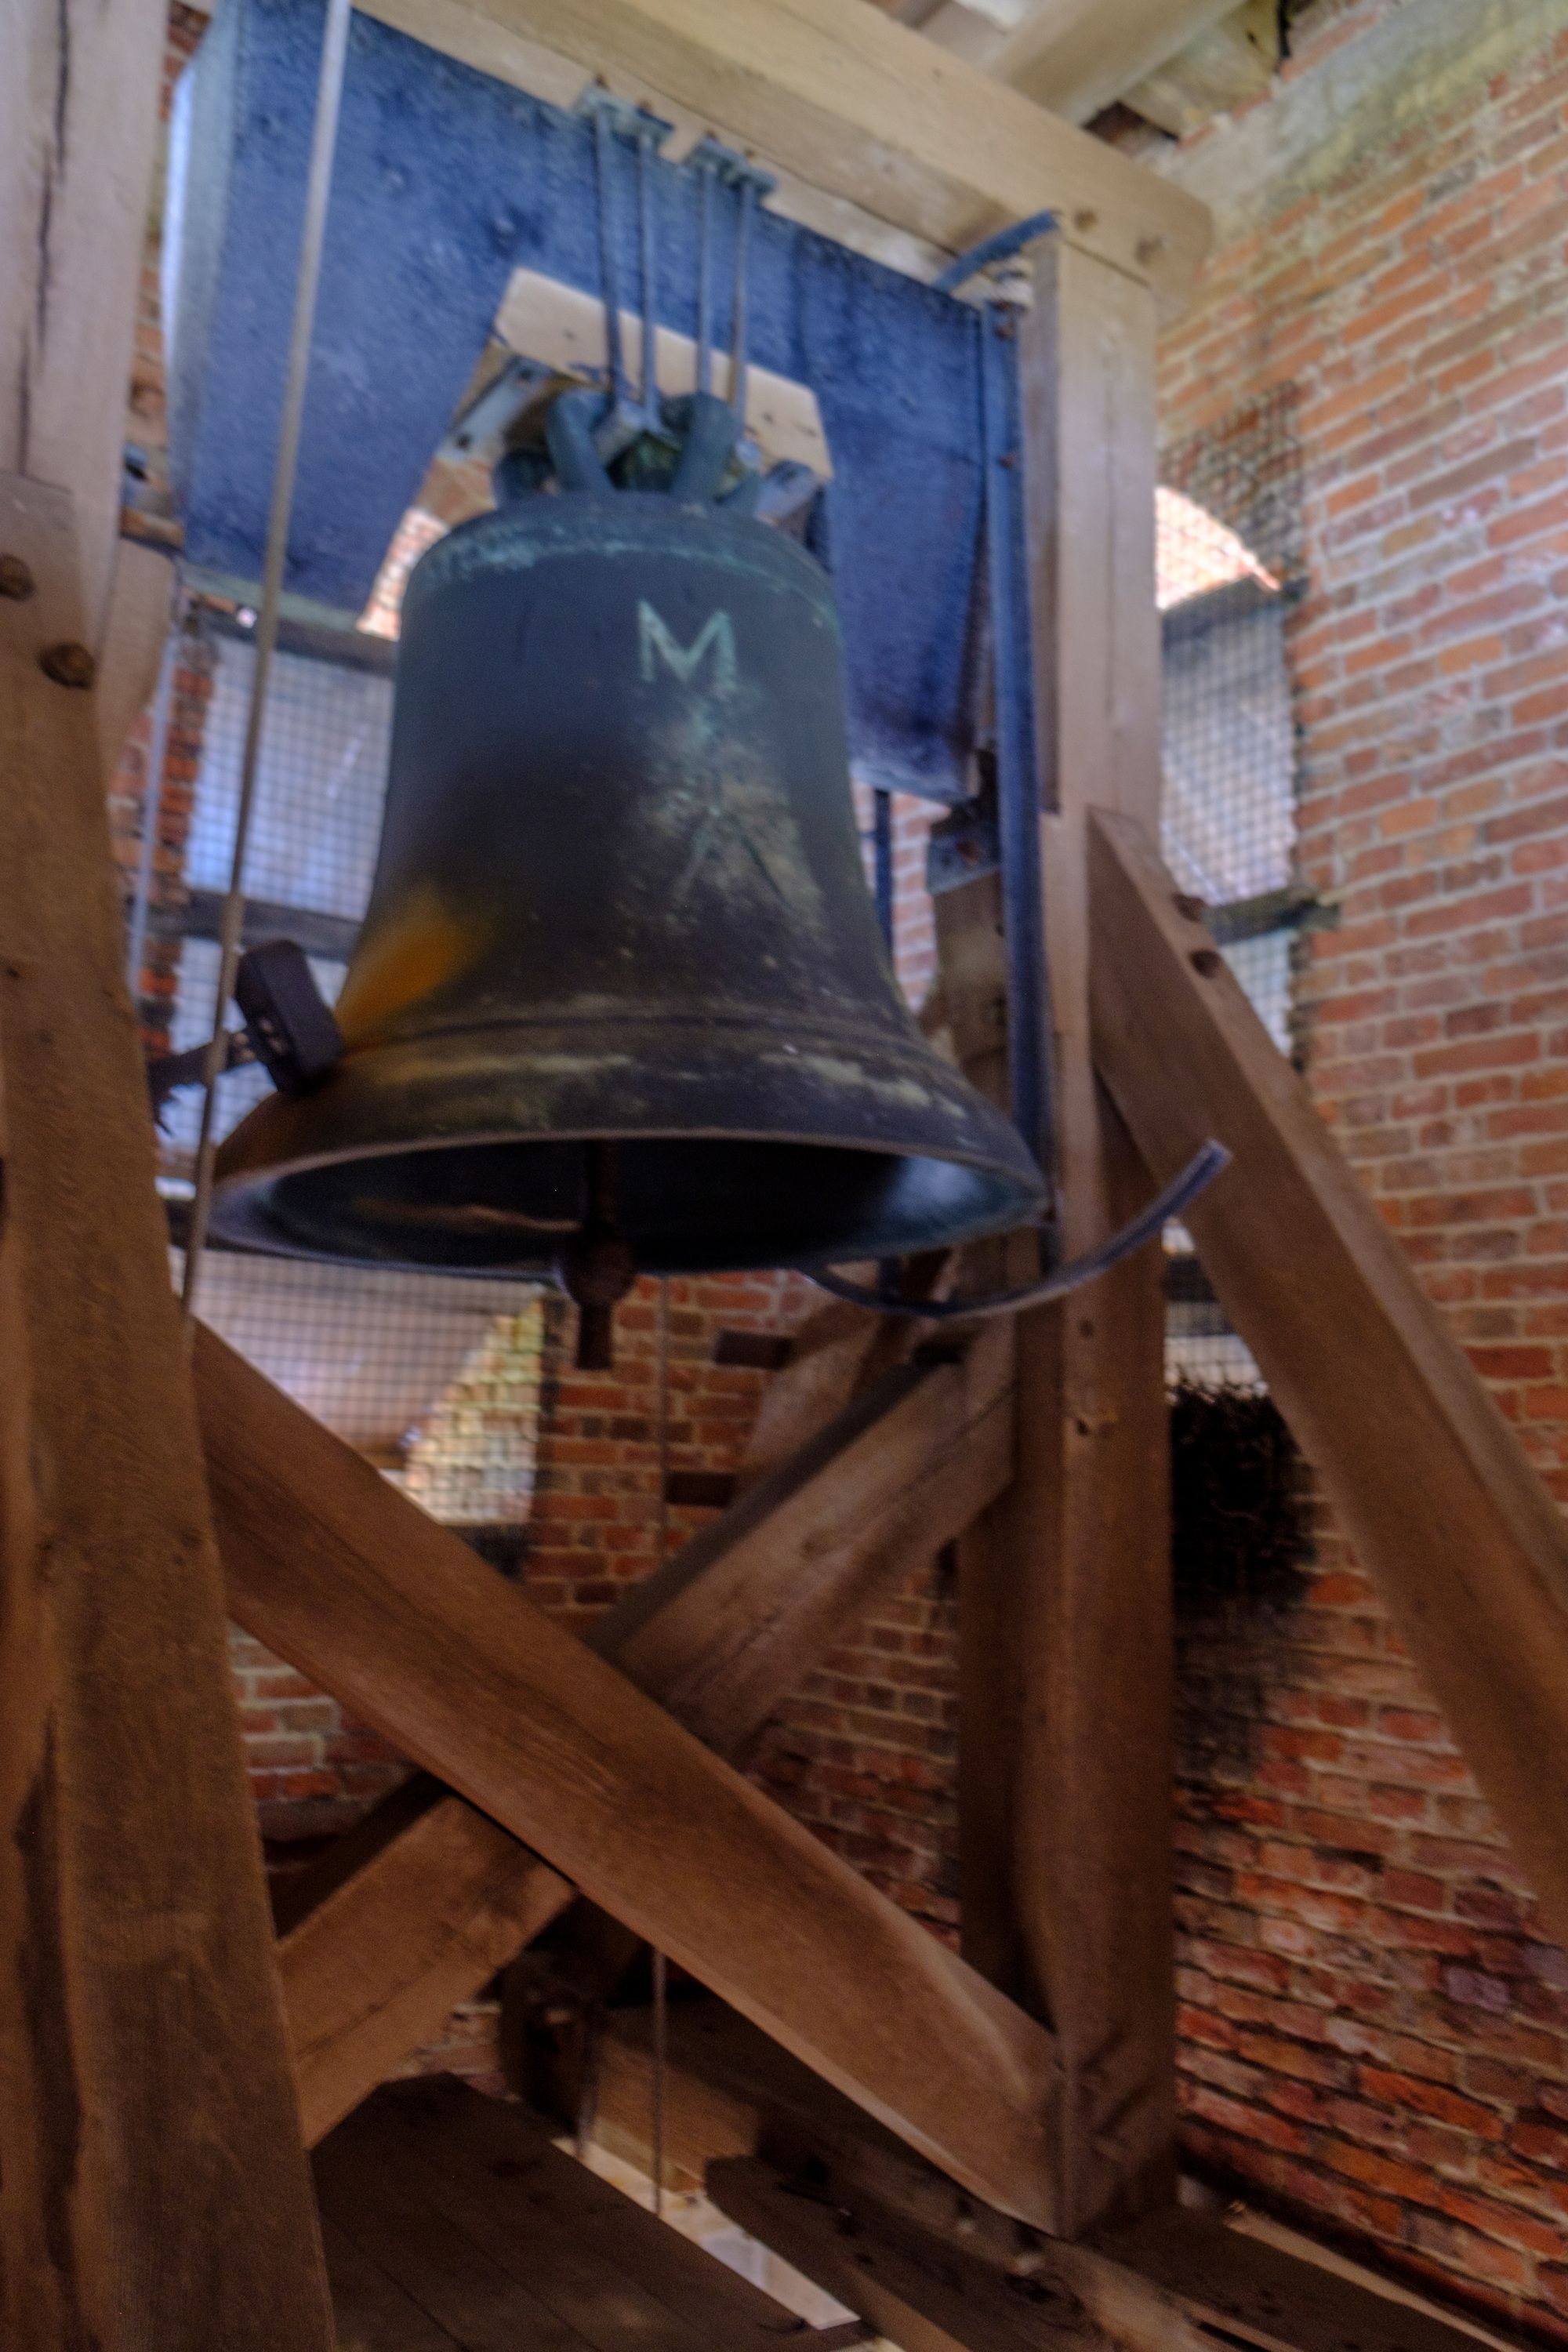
[1464, 1541]
[426, 1901]
[340, 1575]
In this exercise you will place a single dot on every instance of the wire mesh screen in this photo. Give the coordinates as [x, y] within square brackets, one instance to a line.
[321, 782]
[1227, 741]
[435, 1378]
[1231, 520]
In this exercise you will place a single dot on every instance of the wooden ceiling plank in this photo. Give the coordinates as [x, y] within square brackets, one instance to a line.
[1076, 56]
[853, 104]
[420, 1908]
[1462, 1538]
[155, 2191]
[348, 1581]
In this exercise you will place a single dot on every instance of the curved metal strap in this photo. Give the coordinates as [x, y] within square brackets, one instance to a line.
[1001, 247]
[1196, 1177]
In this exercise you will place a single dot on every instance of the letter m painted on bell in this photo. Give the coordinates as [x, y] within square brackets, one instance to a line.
[656, 645]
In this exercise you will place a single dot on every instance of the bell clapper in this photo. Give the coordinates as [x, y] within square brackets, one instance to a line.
[597, 1267]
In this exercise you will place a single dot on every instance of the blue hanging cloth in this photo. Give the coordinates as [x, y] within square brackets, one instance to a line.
[447, 180]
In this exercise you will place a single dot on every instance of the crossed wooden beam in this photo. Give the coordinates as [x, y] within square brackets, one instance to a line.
[571, 1780]
[336, 1572]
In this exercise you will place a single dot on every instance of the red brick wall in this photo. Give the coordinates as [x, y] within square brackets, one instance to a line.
[1374, 2021]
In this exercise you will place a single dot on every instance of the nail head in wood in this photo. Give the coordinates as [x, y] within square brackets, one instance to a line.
[1206, 961]
[68, 664]
[16, 578]
[1189, 909]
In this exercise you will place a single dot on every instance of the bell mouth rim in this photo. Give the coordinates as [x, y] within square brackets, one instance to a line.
[481, 1140]
[937, 1140]
[244, 1216]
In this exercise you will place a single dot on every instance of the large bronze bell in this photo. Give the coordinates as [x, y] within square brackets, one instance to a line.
[621, 974]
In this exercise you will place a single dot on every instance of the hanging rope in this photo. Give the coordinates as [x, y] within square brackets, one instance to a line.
[661, 1969]
[318, 189]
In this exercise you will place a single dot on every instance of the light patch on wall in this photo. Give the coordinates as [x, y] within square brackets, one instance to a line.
[1194, 551]
[473, 1459]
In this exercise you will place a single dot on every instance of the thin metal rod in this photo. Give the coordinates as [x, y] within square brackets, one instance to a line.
[1029, 1039]
[663, 1530]
[740, 322]
[882, 860]
[660, 2063]
[705, 279]
[609, 260]
[646, 258]
[318, 192]
[153, 803]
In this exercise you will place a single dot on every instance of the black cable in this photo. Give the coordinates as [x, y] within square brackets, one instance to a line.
[1196, 1177]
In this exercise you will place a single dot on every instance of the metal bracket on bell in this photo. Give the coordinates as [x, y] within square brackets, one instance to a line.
[1180, 1193]
[481, 431]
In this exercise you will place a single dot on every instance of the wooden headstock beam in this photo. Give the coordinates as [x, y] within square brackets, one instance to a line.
[849, 103]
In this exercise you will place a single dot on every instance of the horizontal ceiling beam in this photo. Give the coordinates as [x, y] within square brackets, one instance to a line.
[340, 1575]
[1076, 56]
[849, 102]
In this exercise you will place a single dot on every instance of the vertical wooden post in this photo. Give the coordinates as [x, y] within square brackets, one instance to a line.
[152, 2184]
[79, 121]
[1065, 1626]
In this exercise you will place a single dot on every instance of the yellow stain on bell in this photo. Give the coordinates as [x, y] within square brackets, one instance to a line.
[424, 947]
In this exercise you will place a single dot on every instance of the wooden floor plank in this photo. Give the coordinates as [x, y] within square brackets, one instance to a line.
[373, 2315]
[935, 2299]
[557, 2192]
[385, 2208]
[1272, 2298]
